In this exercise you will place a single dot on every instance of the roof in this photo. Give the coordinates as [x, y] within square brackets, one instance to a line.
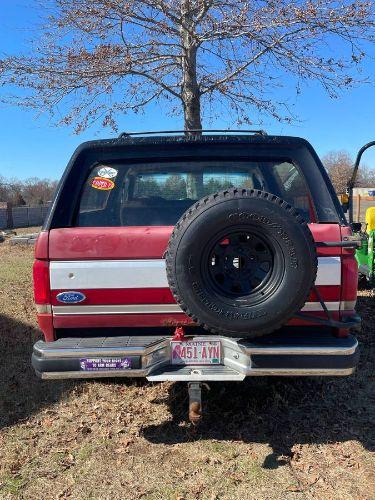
[156, 146]
[258, 137]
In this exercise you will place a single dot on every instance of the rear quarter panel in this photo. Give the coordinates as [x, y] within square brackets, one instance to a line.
[121, 272]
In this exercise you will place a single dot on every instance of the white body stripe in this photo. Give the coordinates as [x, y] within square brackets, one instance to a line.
[94, 274]
[89, 274]
[329, 271]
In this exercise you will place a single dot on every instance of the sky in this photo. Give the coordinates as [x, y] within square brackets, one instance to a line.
[32, 146]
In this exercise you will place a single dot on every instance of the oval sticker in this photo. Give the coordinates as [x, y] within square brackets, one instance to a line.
[70, 297]
[102, 184]
[107, 172]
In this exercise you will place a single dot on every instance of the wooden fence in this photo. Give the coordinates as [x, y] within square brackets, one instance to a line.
[360, 205]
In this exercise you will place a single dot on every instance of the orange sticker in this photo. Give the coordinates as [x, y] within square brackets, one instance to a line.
[102, 184]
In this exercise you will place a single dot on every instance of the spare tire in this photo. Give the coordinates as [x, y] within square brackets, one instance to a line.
[241, 262]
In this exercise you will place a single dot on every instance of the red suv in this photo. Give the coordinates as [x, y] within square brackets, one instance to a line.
[210, 257]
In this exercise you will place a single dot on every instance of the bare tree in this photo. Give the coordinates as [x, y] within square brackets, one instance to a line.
[38, 191]
[339, 165]
[31, 192]
[98, 59]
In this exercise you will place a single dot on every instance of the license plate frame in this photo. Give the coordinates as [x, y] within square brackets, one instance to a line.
[195, 352]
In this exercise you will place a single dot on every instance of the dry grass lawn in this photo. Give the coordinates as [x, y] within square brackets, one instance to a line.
[263, 439]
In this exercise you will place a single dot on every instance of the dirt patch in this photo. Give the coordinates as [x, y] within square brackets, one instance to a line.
[27, 230]
[262, 439]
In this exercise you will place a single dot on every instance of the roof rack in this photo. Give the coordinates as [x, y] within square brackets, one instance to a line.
[202, 131]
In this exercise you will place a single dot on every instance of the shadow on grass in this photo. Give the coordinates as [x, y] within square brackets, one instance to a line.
[21, 392]
[279, 412]
[283, 412]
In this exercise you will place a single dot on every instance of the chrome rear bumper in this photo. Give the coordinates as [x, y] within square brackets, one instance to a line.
[280, 354]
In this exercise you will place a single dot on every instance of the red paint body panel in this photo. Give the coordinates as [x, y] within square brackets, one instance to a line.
[349, 278]
[347, 231]
[120, 320]
[326, 233]
[89, 243]
[328, 293]
[142, 242]
[117, 296]
[45, 322]
[301, 322]
[117, 243]
[146, 320]
[349, 270]
[42, 246]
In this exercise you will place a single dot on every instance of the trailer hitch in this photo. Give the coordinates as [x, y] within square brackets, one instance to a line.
[195, 401]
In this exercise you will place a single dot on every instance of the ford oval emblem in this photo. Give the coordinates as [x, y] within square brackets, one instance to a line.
[71, 297]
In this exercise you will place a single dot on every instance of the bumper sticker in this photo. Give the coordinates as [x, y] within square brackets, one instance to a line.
[102, 184]
[104, 364]
[107, 172]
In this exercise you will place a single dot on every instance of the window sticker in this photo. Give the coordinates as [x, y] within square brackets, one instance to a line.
[102, 184]
[107, 172]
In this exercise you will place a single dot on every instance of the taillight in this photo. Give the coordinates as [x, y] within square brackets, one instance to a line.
[42, 290]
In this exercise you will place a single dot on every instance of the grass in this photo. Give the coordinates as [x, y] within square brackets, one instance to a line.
[121, 439]
[12, 485]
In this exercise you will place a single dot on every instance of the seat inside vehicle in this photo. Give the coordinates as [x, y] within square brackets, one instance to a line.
[153, 211]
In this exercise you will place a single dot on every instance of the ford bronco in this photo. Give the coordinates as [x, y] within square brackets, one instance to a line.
[195, 258]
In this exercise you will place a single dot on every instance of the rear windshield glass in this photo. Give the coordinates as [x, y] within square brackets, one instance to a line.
[158, 194]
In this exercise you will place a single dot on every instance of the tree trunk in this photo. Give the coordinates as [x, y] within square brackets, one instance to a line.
[190, 91]
[192, 108]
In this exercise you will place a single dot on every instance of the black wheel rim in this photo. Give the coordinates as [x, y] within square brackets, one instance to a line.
[240, 264]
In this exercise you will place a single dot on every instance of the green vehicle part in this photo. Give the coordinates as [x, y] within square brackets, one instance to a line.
[365, 255]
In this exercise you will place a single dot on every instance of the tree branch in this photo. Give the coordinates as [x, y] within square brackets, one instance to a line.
[244, 66]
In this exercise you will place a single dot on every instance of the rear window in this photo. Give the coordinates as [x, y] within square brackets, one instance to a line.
[158, 194]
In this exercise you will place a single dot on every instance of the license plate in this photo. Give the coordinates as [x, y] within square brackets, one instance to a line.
[195, 352]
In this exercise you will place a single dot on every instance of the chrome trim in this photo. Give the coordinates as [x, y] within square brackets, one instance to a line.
[246, 347]
[101, 374]
[230, 347]
[168, 376]
[348, 305]
[95, 352]
[303, 372]
[191, 374]
[170, 308]
[117, 309]
[43, 308]
[364, 269]
[317, 306]
[305, 350]
[155, 358]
